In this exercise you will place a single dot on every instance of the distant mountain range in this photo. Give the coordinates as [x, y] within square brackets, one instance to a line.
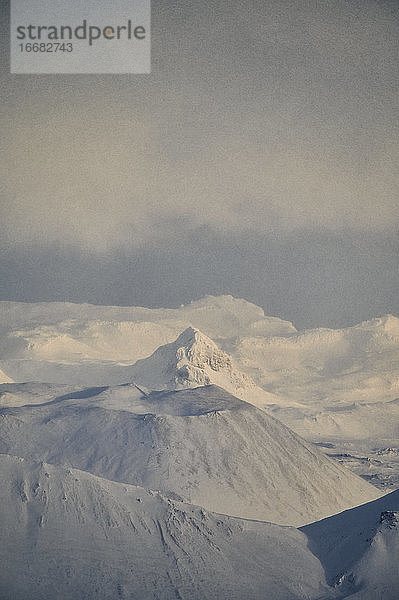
[141, 455]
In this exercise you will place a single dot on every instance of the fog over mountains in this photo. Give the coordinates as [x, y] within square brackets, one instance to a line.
[206, 450]
[173, 453]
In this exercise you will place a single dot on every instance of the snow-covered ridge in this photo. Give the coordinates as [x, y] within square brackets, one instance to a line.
[202, 445]
[71, 333]
[65, 533]
[359, 549]
[217, 316]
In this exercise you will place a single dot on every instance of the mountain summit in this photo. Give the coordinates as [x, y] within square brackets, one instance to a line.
[194, 360]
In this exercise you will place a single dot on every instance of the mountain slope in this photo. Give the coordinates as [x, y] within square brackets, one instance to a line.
[202, 445]
[376, 574]
[359, 549]
[4, 378]
[67, 534]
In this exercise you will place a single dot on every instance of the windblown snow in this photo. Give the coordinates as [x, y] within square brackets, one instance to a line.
[161, 453]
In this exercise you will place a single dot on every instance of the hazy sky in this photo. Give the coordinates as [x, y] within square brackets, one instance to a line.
[260, 158]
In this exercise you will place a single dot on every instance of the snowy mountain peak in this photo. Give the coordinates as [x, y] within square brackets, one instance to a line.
[388, 324]
[192, 335]
[193, 359]
[200, 351]
[4, 378]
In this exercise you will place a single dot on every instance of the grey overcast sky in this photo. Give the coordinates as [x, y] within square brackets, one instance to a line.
[259, 158]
